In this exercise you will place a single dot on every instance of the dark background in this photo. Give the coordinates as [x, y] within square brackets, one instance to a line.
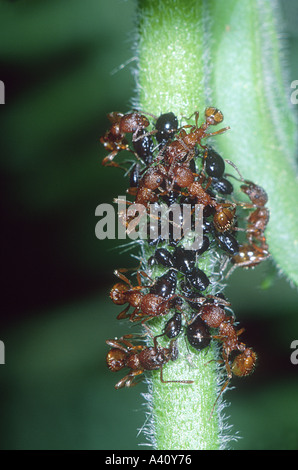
[57, 60]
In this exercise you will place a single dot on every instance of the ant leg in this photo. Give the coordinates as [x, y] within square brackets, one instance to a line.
[260, 249]
[114, 164]
[239, 332]
[149, 332]
[121, 276]
[124, 340]
[229, 374]
[143, 135]
[120, 201]
[232, 269]
[107, 161]
[155, 339]
[196, 114]
[123, 314]
[235, 168]
[114, 343]
[142, 273]
[147, 114]
[197, 118]
[125, 270]
[144, 320]
[136, 315]
[208, 183]
[173, 381]
[202, 300]
[127, 381]
[197, 300]
[123, 344]
[218, 396]
[221, 131]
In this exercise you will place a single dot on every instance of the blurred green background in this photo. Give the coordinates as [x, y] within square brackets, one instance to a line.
[58, 62]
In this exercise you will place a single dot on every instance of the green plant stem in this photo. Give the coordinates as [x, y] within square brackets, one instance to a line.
[222, 54]
[171, 78]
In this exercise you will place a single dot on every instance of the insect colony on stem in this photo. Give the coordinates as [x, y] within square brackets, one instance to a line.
[171, 164]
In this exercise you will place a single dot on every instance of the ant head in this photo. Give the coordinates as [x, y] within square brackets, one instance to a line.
[213, 116]
[142, 121]
[114, 116]
[117, 294]
[116, 359]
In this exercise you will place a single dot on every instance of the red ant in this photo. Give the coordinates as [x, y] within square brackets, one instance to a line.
[244, 363]
[258, 219]
[140, 359]
[114, 139]
[183, 145]
[146, 306]
[256, 249]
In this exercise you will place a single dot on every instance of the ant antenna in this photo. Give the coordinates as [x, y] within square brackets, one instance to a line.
[235, 168]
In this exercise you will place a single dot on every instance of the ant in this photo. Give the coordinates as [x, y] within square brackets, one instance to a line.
[182, 147]
[114, 139]
[251, 254]
[258, 219]
[255, 250]
[244, 363]
[158, 301]
[126, 293]
[140, 359]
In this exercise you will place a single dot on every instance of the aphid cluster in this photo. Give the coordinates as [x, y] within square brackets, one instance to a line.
[170, 164]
